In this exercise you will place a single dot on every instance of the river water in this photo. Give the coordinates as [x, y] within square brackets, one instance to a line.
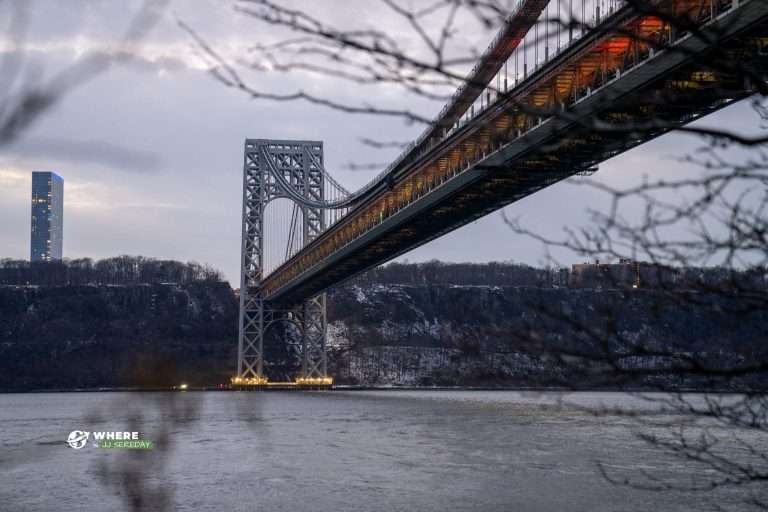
[344, 450]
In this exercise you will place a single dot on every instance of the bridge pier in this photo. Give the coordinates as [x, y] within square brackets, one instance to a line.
[296, 162]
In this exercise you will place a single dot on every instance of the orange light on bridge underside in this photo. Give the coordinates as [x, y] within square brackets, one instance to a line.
[324, 381]
[251, 381]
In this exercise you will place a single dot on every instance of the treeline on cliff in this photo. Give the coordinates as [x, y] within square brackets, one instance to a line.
[623, 274]
[127, 269]
[123, 269]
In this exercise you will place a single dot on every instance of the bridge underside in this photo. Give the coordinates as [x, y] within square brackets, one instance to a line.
[650, 101]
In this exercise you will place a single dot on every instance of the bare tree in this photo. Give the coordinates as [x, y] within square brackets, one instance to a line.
[717, 218]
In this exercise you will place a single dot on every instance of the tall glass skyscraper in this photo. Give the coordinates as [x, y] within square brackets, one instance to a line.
[47, 216]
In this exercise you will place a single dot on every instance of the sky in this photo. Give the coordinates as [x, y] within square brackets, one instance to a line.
[151, 149]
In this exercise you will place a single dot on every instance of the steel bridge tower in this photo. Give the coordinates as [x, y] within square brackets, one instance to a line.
[275, 169]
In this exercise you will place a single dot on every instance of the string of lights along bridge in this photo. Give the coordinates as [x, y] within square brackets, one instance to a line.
[563, 86]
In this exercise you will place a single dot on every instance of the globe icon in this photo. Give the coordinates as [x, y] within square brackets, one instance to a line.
[77, 439]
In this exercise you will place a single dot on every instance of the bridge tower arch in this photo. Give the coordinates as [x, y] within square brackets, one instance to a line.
[277, 169]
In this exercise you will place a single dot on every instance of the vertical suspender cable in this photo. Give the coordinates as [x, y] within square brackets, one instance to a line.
[525, 58]
[546, 33]
[517, 53]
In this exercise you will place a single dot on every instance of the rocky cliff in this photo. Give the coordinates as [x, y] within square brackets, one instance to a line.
[85, 336]
[114, 335]
[493, 335]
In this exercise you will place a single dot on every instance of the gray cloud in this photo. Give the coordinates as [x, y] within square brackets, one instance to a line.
[100, 152]
[134, 59]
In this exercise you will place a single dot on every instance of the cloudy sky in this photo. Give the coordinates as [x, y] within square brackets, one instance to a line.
[151, 149]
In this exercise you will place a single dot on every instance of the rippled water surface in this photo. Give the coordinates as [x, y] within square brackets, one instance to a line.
[337, 451]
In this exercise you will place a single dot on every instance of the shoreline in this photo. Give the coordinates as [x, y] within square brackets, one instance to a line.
[553, 389]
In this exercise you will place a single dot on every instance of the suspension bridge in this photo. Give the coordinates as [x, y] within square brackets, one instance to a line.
[578, 93]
